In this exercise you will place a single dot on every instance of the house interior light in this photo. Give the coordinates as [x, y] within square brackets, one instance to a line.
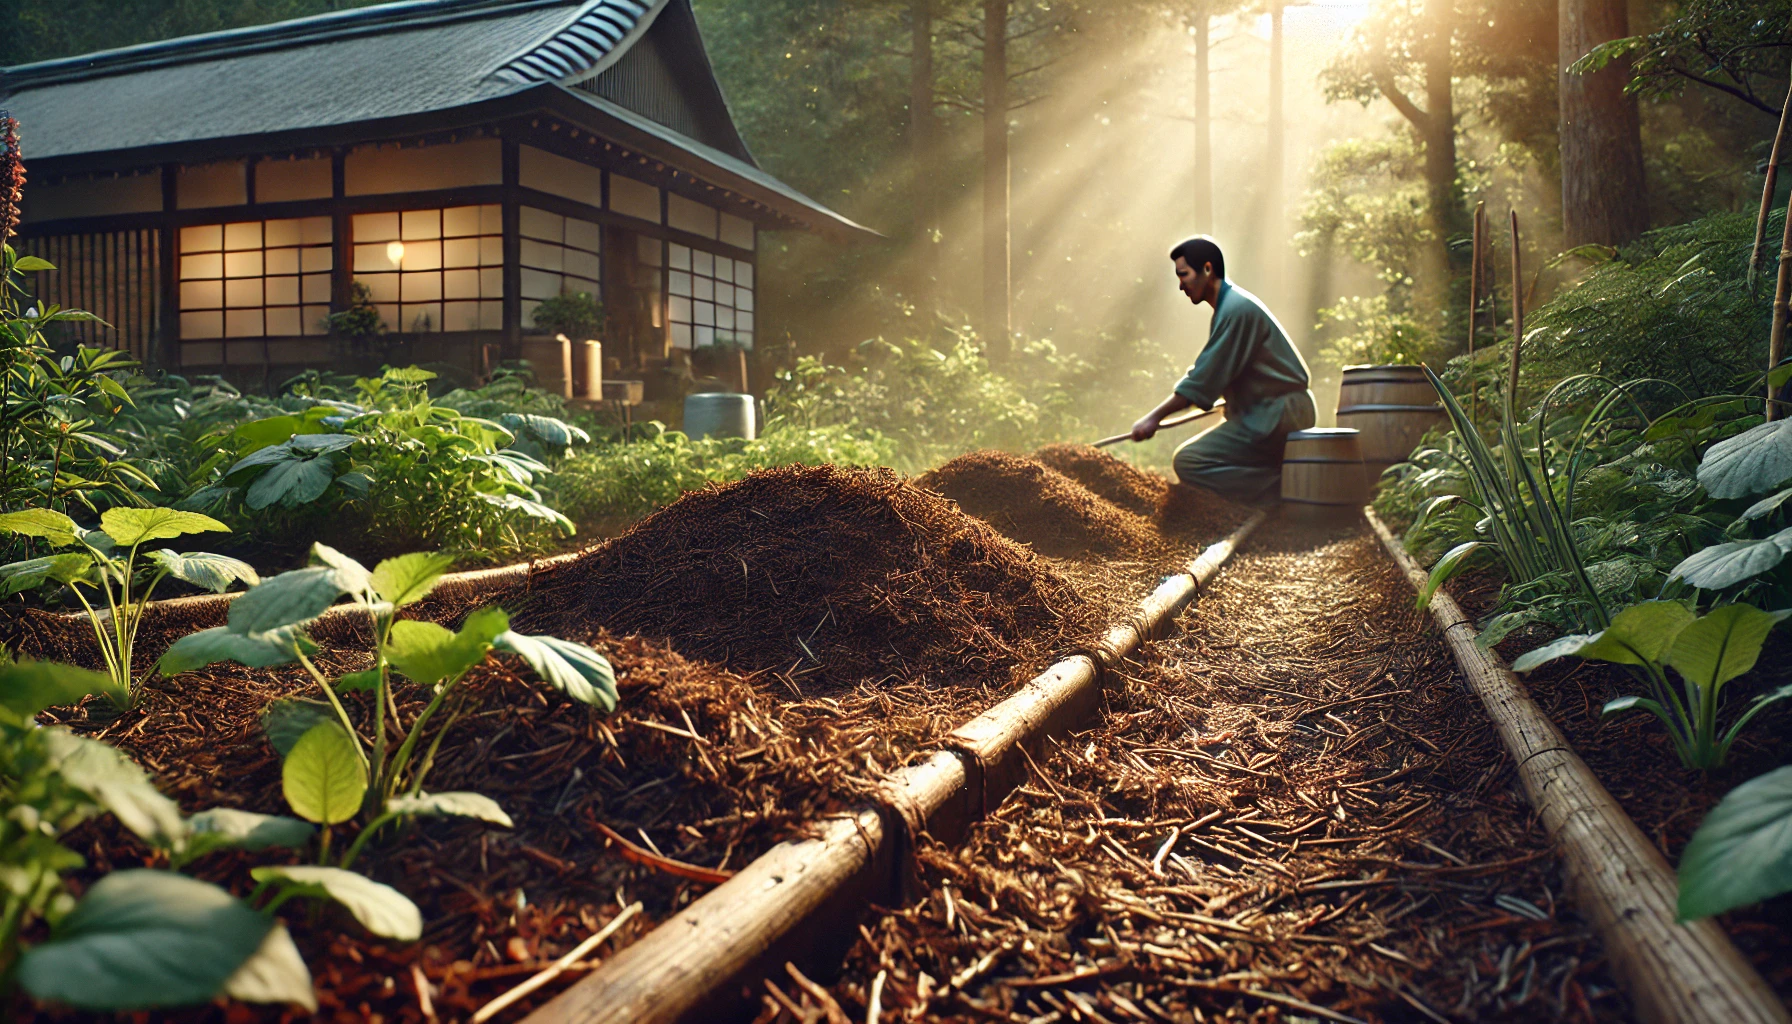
[395, 252]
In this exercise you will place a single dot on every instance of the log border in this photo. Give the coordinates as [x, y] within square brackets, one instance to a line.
[1675, 973]
[802, 900]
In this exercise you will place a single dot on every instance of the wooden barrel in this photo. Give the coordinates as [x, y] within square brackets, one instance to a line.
[1392, 406]
[1323, 467]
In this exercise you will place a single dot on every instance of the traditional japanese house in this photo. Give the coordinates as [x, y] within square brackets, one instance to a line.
[216, 198]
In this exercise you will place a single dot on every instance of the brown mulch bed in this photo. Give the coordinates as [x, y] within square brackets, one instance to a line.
[1292, 812]
[708, 763]
[1118, 481]
[1034, 503]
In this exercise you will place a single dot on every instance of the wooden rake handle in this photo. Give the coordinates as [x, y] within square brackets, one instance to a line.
[1175, 421]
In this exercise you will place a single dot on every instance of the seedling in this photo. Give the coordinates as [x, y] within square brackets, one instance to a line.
[121, 582]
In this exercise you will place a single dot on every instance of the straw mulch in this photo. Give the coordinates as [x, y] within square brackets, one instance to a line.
[1038, 505]
[1290, 813]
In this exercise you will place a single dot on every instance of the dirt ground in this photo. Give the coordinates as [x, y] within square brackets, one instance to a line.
[1290, 812]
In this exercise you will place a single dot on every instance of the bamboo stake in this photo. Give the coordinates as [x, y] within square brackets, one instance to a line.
[1767, 189]
[1776, 341]
[1676, 973]
[1474, 311]
[1517, 317]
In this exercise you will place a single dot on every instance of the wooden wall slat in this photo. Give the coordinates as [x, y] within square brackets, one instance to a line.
[113, 275]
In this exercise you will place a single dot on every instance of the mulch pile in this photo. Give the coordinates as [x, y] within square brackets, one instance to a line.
[1037, 505]
[1291, 812]
[1117, 480]
[826, 576]
[696, 763]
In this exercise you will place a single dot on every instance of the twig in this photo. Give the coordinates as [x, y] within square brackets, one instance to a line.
[648, 858]
[554, 970]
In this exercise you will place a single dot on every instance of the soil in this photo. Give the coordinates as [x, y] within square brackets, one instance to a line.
[1037, 505]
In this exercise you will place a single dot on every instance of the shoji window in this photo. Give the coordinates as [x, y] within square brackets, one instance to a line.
[558, 255]
[253, 279]
[711, 298]
[433, 270]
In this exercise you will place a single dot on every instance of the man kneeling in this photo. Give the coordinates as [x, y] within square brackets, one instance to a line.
[1249, 362]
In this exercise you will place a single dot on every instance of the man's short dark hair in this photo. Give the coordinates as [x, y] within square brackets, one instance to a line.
[1200, 250]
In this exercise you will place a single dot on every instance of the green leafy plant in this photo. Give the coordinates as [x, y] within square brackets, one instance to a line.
[358, 323]
[139, 938]
[393, 469]
[330, 775]
[578, 315]
[1705, 651]
[106, 561]
[1742, 852]
[52, 452]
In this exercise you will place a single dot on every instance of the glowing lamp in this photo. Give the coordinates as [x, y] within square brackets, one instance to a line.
[395, 252]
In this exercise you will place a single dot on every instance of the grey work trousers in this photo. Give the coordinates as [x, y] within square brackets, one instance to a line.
[1242, 458]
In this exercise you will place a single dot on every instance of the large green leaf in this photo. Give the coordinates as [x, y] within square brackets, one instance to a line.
[407, 579]
[456, 805]
[1725, 565]
[381, 909]
[203, 569]
[116, 783]
[1642, 632]
[143, 938]
[132, 526]
[256, 650]
[574, 669]
[1768, 504]
[275, 974]
[28, 687]
[16, 577]
[354, 577]
[428, 653]
[1718, 647]
[291, 483]
[1758, 459]
[1742, 852]
[47, 524]
[284, 721]
[228, 827]
[324, 778]
[288, 599]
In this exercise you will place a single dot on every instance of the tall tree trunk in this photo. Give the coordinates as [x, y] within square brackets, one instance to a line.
[1602, 146]
[1203, 124]
[921, 135]
[1273, 172]
[997, 317]
[1439, 132]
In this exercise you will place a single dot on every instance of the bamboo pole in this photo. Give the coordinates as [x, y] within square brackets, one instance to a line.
[1474, 312]
[801, 901]
[1776, 340]
[1768, 187]
[1675, 973]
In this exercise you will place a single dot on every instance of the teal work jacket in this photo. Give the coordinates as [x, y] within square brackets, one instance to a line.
[1248, 361]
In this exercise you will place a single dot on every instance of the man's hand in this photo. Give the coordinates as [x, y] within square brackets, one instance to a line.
[1145, 429]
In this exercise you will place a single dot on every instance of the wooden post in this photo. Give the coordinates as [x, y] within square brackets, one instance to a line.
[1782, 292]
[1680, 973]
[1474, 310]
[1767, 189]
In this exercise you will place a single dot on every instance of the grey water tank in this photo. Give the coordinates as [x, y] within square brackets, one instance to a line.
[719, 414]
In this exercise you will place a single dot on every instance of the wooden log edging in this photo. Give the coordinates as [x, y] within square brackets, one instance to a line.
[1675, 973]
[802, 900]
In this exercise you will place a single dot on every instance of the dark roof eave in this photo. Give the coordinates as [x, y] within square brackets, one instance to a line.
[609, 121]
[549, 98]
